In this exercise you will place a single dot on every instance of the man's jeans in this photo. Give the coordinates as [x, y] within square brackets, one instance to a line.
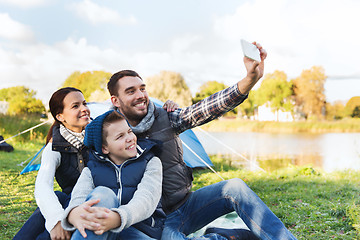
[34, 227]
[109, 200]
[211, 202]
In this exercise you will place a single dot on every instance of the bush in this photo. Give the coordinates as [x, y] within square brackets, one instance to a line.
[14, 124]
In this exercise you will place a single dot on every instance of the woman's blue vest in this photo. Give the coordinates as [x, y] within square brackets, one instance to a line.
[72, 163]
[124, 185]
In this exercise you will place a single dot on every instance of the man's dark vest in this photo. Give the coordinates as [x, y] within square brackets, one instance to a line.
[72, 163]
[131, 172]
[177, 177]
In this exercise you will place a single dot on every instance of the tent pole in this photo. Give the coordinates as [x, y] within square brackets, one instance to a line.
[25, 131]
[231, 149]
[202, 160]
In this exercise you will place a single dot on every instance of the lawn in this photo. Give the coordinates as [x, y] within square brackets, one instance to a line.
[311, 203]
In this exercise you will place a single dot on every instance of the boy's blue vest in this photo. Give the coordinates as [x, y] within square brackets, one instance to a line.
[131, 172]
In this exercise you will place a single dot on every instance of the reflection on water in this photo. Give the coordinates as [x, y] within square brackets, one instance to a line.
[269, 151]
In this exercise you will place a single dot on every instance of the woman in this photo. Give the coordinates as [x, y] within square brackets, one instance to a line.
[64, 157]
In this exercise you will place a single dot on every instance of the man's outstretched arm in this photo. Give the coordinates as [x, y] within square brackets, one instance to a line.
[221, 102]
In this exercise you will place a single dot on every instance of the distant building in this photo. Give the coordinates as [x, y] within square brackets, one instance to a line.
[266, 113]
[3, 107]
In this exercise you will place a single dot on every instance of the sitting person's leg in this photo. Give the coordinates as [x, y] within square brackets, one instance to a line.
[132, 233]
[34, 227]
[109, 200]
[232, 234]
[211, 202]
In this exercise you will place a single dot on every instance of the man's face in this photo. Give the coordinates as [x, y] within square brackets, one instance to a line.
[132, 99]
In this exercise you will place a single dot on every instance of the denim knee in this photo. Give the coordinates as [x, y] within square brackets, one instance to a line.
[234, 186]
[107, 197]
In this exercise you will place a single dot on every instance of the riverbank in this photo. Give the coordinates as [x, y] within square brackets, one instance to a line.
[240, 125]
[312, 204]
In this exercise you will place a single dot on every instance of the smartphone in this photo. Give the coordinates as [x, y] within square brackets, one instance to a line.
[250, 50]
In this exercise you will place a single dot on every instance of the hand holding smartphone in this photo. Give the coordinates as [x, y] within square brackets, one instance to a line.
[250, 50]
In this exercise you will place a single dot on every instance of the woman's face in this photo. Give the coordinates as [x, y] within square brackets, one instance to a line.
[75, 115]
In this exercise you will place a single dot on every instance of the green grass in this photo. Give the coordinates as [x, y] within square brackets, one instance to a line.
[312, 204]
[17, 191]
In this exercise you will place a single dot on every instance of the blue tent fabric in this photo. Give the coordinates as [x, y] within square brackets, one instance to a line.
[34, 163]
[188, 137]
[193, 142]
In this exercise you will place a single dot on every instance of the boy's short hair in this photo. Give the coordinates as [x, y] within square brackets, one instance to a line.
[94, 130]
[108, 120]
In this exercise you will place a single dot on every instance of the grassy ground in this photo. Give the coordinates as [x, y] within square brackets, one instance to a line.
[312, 204]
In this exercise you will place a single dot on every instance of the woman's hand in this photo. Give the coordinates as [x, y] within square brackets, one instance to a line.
[170, 106]
[58, 233]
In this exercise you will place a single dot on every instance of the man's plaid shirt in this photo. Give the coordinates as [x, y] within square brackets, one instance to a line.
[206, 110]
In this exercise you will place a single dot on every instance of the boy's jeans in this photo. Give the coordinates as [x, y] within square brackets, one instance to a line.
[211, 202]
[109, 200]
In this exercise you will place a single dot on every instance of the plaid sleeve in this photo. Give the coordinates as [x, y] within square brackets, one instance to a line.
[207, 109]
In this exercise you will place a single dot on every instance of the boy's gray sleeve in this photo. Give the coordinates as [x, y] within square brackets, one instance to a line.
[145, 199]
[81, 190]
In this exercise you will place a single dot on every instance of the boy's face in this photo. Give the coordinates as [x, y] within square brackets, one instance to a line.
[120, 142]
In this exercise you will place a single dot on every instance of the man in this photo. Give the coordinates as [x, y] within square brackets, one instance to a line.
[189, 211]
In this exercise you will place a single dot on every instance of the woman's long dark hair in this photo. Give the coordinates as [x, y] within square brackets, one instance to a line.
[56, 105]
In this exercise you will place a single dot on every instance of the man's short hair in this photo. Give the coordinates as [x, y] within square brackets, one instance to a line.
[112, 84]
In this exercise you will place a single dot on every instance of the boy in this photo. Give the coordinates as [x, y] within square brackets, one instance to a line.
[122, 181]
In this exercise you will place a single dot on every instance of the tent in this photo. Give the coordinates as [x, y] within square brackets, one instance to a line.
[194, 153]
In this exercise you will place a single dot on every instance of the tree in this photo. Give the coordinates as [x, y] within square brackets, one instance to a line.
[356, 112]
[92, 84]
[21, 100]
[247, 107]
[169, 85]
[310, 92]
[335, 111]
[351, 105]
[207, 89]
[277, 90]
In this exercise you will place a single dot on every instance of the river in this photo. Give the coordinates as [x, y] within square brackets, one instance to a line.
[269, 151]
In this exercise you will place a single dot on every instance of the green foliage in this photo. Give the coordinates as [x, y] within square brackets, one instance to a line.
[247, 108]
[351, 105]
[353, 211]
[12, 125]
[169, 85]
[356, 112]
[277, 90]
[21, 100]
[93, 84]
[335, 111]
[207, 89]
[310, 92]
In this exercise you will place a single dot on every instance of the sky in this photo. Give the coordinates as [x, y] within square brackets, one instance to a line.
[42, 42]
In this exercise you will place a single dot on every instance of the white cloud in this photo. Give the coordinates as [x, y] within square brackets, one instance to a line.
[298, 34]
[25, 3]
[96, 14]
[13, 30]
